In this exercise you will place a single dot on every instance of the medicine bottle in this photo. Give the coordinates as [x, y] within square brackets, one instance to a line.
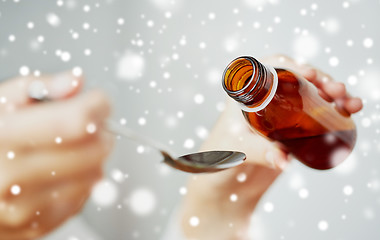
[286, 108]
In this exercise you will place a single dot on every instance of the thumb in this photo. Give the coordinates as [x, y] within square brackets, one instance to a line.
[263, 152]
[277, 158]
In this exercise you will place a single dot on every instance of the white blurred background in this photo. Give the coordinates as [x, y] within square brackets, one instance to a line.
[161, 62]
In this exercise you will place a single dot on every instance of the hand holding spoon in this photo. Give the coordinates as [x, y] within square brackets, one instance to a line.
[201, 162]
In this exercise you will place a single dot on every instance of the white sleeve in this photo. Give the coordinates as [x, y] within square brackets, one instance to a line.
[173, 229]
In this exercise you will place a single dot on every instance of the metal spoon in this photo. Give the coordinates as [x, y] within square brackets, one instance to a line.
[201, 162]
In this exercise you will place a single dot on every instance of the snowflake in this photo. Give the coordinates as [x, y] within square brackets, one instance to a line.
[130, 66]
[368, 42]
[194, 221]
[11, 155]
[333, 61]
[268, 207]
[323, 225]
[24, 71]
[199, 98]
[348, 190]
[53, 19]
[104, 193]
[117, 175]
[65, 56]
[142, 201]
[15, 189]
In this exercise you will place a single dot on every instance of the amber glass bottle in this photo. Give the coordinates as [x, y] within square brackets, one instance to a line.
[286, 108]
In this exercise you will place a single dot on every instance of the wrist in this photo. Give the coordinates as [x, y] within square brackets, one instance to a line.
[243, 185]
[224, 202]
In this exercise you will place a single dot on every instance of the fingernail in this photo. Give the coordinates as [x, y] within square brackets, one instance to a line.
[62, 85]
[37, 90]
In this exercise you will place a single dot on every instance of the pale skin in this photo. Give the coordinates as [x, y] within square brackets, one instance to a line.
[208, 195]
[51, 153]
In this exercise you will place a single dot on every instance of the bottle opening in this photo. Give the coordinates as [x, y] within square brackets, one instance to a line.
[250, 83]
[238, 74]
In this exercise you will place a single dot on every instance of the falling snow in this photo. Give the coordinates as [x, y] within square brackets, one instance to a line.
[24, 71]
[194, 221]
[333, 61]
[331, 25]
[140, 149]
[199, 98]
[368, 42]
[30, 25]
[303, 193]
[58, 140]
[142, 201]
[169, 56]
[141, 121]
[77, 71]
[117, 175]
[15, 189]
[183, 190]
[233, 197]
[12, 38]
[53, 19]
[120, 21]
[268, 207]
[241, 177]
[231, 43]
[323, 225]
[91, 128]
[202, 45]
[189, 143]
[201, 132]
[65, 56]
[348, 190]
[306, 47]
[104, 193]
[130, 66]
[11, 155]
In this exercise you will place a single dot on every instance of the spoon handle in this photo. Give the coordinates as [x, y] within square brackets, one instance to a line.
[115, 128]
[36, 92]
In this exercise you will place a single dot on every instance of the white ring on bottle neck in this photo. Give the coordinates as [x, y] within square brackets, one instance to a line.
[270, 96]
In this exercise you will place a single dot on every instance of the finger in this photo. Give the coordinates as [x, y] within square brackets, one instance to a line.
[263, 152]
[59, 205]
[45, 208]
[307, 71]
[16, 93]
[325, 96]
[327, 88]
[43, 170]
[71, 120]
[334, 90]
[283, 61]
[353, 105]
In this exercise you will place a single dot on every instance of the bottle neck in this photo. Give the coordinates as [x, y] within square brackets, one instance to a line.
[250, 83]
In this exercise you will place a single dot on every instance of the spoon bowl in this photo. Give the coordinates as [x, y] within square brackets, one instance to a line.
[200, 162]
[209, 161]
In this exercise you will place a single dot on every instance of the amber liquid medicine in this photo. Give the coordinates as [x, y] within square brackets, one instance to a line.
[286, 108]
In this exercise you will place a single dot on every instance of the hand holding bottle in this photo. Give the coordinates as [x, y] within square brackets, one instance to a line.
[211, 197]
